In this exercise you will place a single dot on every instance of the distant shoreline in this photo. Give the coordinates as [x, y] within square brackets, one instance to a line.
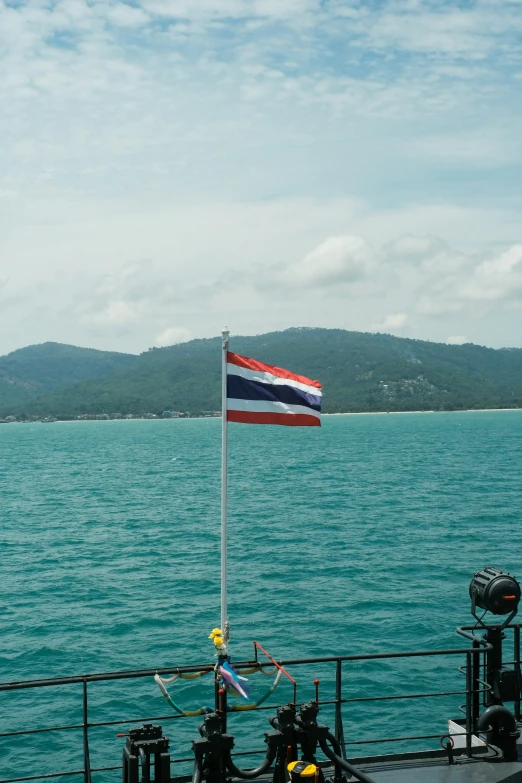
[206, 418]
[402, 413]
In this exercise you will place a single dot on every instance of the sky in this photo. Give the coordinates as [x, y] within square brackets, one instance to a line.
[169, 167]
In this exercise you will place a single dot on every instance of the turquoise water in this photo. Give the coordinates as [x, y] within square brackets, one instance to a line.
[348, 539]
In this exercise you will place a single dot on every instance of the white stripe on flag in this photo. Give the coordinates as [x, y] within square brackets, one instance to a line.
[260, 406]
[267, 377]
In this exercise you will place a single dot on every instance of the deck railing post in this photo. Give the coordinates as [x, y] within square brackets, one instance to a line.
[469, 702]
[475, 685]
[86, 754]
[339, 731]
[516, 658]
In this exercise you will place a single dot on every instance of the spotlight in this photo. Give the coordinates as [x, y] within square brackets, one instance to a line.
[495, 591]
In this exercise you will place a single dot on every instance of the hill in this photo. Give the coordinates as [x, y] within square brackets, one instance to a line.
[359, 371]
[39, 369]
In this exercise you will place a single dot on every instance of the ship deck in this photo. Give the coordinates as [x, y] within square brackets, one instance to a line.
[474, 760]
[427, 769]
[433, 767]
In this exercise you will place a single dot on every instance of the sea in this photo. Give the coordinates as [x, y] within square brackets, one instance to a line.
[357, 537]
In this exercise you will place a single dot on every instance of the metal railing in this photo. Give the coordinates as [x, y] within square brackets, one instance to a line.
[475, 671]
[475, 686]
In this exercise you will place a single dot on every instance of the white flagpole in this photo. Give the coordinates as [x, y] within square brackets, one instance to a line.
[224, 482]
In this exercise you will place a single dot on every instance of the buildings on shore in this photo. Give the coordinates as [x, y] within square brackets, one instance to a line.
[166, 414]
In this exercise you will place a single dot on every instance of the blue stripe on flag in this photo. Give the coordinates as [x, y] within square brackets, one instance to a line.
[243, 389]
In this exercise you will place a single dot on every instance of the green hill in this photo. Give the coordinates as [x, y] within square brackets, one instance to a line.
[39, 369]
[359, 371]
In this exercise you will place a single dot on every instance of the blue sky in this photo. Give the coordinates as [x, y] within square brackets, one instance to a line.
[169, 166]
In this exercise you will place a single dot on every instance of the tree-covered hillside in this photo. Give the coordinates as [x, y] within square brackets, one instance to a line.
[359, 371]
[39, 369]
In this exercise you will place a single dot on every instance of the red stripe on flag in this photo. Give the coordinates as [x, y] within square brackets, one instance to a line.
[253, 364]
[286, 419]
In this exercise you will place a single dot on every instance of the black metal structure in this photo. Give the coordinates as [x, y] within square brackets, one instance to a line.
[489, 682]
[148, 748]
[480, 668]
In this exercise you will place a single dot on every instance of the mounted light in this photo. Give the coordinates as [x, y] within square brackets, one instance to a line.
[495, 591]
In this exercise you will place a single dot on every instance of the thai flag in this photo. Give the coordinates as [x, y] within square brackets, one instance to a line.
[258, 393]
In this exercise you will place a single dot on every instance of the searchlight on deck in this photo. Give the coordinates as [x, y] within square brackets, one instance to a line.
[494, 591]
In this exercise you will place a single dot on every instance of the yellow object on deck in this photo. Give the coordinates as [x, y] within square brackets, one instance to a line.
[301, 769]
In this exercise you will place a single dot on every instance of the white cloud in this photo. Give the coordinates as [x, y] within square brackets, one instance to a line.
[116, 313]
[457, 339]
[447, 30]
[230, 9]
[336, 261]
[202, 276]
[485, 148]
[125, 15]
[437, 306]
[394, 322]
[172, 336]
[414, 249]
[472, 283]
[497, 278]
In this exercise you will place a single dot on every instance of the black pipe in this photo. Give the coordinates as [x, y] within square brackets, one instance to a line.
[334, 743]
[501, 727]
[145, 766]
[250, 774]
[496, 715]
[340, 762]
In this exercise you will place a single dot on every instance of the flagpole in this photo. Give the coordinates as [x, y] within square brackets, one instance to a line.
[224, 483]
